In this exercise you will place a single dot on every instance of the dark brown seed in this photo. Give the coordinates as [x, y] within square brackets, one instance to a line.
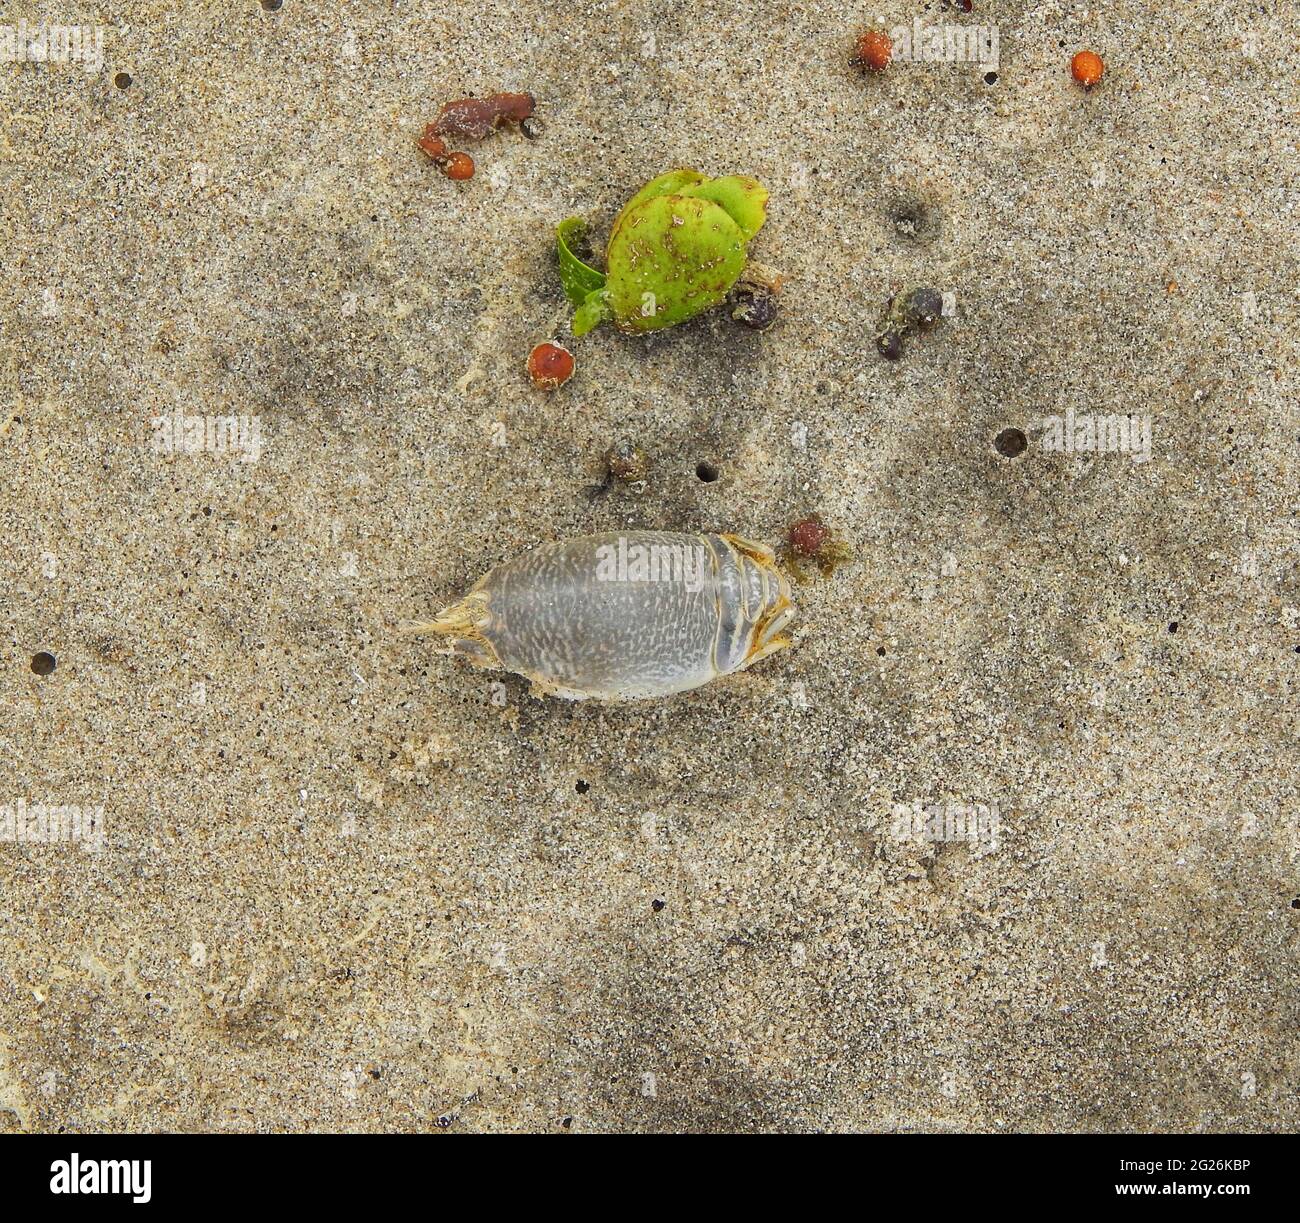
[755, 308]
[924, 307]
[890, 345]
[625, 462]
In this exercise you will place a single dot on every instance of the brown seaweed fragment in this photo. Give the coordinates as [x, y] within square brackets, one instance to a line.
[475, 118]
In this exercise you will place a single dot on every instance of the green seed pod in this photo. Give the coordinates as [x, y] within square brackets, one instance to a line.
[675, 250]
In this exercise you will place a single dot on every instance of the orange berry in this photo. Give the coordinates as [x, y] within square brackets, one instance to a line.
[550, 366]
[459, 166]
[1086, 68]
[873, 50]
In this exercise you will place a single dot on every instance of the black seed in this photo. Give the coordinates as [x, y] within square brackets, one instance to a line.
[122, 80]
[923, 307]
[890, 345]
[657, 905]
[755, 308]
[43, 663]
[582, 786]
[1010, 443]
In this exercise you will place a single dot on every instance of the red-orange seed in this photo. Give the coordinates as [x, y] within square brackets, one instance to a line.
[1086, 68]
[550, 366]
[809, 535]
[459, 166]
[873, 50]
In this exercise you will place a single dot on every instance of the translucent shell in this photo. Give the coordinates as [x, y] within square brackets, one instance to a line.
[623, 616]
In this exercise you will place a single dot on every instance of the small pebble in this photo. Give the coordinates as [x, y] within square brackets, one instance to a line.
[923, 307]
[890, 345]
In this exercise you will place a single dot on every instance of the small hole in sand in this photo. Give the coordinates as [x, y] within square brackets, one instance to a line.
[707, 472]
[912, 218]
[582, 786]
[1010, 443]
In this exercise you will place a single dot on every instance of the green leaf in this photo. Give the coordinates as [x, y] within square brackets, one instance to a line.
[579, 279]
[594, 311]
[744, 200]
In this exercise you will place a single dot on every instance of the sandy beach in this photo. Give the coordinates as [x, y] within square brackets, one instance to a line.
[1007, 841]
